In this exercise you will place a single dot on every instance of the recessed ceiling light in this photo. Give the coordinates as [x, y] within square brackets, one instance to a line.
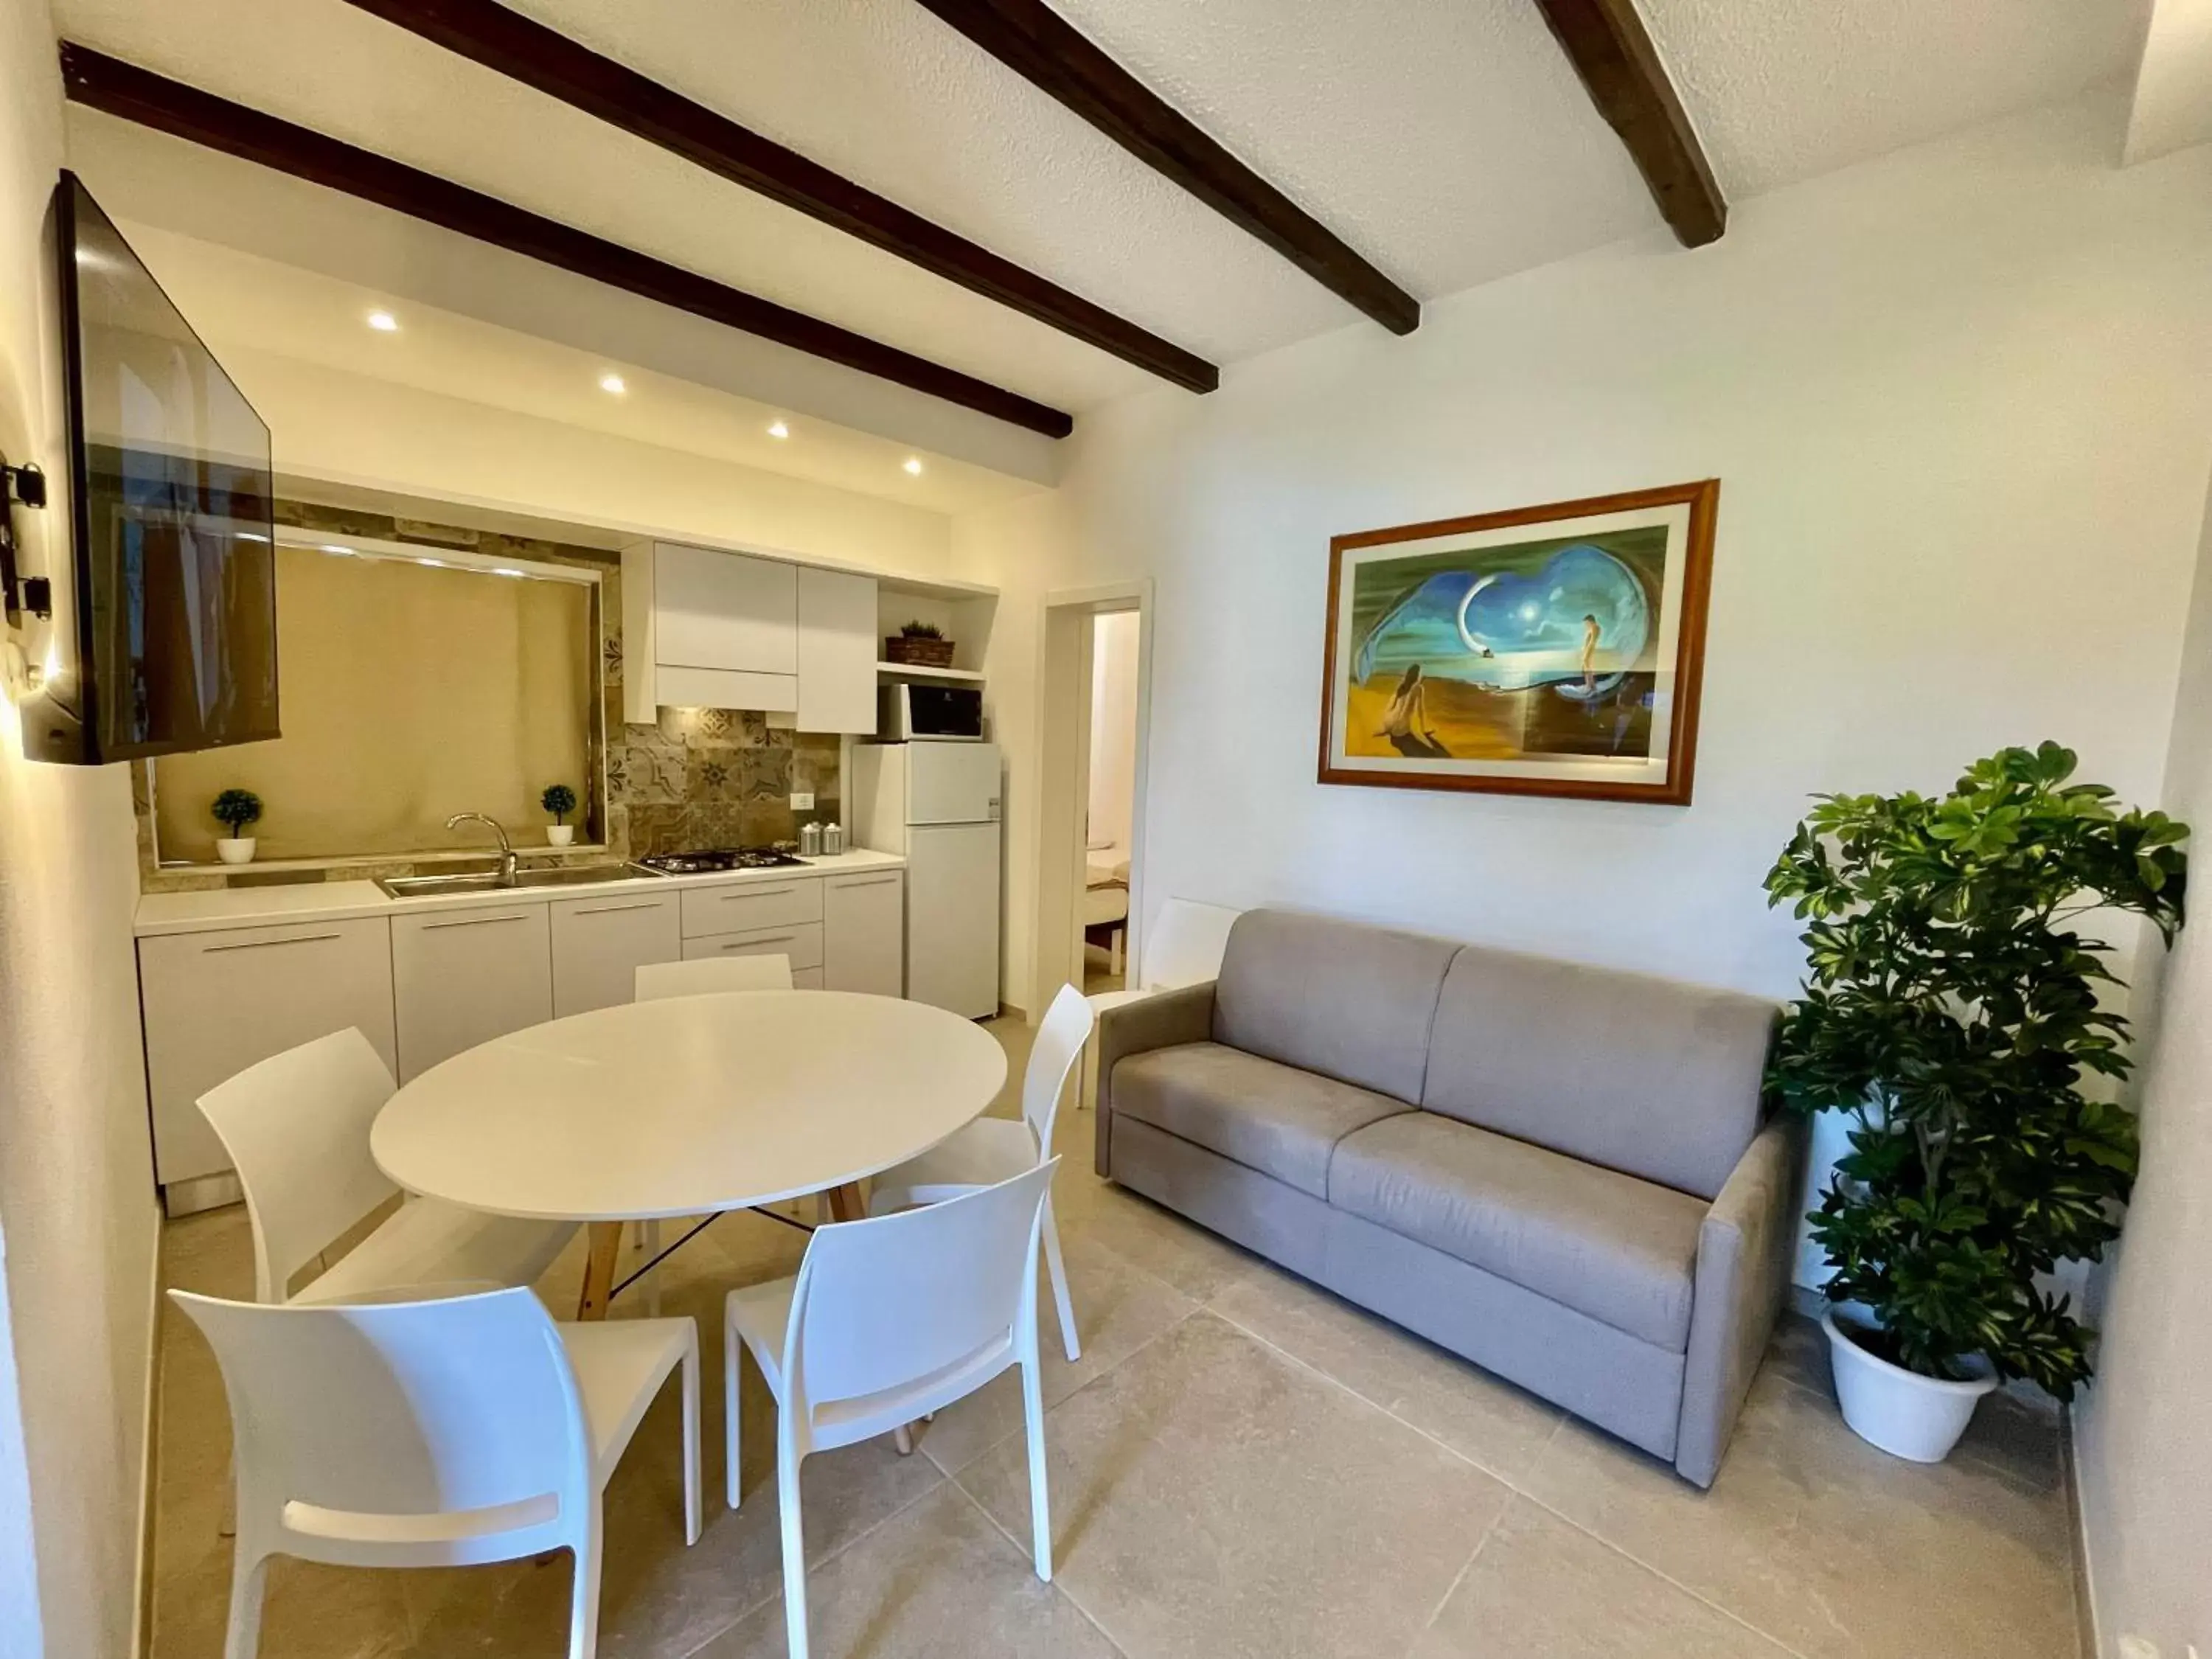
[384, 322]
[778, 430]
[612, 383]
[914, 466]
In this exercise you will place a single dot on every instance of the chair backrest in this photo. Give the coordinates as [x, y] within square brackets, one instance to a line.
[1185, 944]
[711, 975]
[297, 1127]
[344, 1416]
[897, 1299]
[1053, 1055]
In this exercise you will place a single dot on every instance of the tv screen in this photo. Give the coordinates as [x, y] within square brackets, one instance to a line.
[176, 570]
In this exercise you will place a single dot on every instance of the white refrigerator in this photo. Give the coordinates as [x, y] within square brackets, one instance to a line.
[937, 805]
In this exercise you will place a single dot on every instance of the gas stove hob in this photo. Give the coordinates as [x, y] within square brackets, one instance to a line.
[714, 859]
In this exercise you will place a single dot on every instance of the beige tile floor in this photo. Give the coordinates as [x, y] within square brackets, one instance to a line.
[1240, 1465]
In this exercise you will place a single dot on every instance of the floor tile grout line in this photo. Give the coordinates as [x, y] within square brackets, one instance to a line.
[1665, 1577]
[1460, 1577]
[1059, 1589]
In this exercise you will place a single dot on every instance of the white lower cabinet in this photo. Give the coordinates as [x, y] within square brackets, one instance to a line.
[864, 933]
[600, 943]
[800, 941]
[459, 978]
[215, 1003]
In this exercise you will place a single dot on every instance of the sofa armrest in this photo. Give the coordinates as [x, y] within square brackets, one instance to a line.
[1744, 1252]
[1166, 1020]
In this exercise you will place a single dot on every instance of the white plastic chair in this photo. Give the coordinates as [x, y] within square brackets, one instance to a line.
[989, 1150]
[1183, 946]
[297, 1127]
[432, 1434]
[710, 975]
[888, 1319]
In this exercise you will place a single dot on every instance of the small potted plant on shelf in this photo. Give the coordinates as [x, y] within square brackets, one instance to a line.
[560, 800]
[919, 645]
[1952, 1009]
[236, 809]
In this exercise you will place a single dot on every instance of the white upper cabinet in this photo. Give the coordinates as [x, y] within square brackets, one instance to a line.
[703, 629]
[836, 651]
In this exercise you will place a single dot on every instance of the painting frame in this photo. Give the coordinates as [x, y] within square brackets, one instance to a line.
[1696, 506]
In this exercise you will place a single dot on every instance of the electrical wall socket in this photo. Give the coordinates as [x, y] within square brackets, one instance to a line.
[802, 800]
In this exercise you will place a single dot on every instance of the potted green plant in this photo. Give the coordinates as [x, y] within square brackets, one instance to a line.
[560, 800]
[919, 645]
[1952, 1009]
[235, 809]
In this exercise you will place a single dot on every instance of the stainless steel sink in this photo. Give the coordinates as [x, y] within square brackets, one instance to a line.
[488, 881]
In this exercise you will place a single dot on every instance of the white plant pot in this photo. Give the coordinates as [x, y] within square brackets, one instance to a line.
[560, 835]
[234, 849]
[1907, 1414]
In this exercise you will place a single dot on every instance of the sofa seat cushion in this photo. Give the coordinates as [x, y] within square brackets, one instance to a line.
[1270, 1117]
[1606, 1244]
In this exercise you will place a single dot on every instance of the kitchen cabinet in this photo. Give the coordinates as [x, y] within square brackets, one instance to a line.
[864, 933]
[215, 1003]
[600, 943]
[462, 977]
[704, 629]
[755, 904]
[800, 943]
[837, 647]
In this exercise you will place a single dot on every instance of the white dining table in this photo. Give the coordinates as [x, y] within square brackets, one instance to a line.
[686, 1106]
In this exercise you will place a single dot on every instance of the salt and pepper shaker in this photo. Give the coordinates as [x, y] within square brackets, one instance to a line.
[833, 839]
[810, 840]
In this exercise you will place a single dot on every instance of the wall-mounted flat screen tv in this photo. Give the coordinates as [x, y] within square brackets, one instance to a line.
[176, 572]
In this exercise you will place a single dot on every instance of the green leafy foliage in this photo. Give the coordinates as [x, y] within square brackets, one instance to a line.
[234, 808]
[560, 800]
[923, 630]
[1951, 1006]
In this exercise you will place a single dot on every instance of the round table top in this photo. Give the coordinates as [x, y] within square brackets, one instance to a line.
[688, 1104]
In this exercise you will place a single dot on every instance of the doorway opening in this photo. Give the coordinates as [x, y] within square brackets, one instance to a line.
[1097, 664]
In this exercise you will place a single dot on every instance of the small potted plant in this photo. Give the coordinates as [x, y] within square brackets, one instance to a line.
[560, 800]
[1953, 1011]
[919, 645]
[235, 809]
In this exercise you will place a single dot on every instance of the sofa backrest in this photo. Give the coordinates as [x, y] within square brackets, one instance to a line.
[1349, 1001]
[1647, 1076]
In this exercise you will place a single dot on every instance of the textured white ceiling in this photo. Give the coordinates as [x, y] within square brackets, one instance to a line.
[1447, 140]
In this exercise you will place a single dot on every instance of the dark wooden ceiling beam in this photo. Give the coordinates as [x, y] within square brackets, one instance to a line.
[526, 50]
[1612, 51]
[1036, 43]
[136, 95]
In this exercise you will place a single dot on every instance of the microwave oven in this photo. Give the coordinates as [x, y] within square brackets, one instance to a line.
[907, 712]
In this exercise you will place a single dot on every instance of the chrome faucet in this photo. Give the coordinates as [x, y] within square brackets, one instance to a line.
[506, 847]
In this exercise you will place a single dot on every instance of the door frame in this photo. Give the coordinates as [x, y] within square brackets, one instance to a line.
[1065, 638]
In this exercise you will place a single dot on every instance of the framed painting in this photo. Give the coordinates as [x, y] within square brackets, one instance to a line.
[1551, 650]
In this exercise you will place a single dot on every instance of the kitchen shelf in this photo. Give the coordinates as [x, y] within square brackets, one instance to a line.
[908, 670]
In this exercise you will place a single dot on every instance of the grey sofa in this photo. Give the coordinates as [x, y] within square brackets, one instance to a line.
[1560, 1173]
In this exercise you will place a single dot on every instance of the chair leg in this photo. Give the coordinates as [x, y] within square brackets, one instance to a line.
[794, 1548]
[691, 1519]
[1040, 1502]
[903, 1439]
[248, 1581]
[584, 1593]
[1057, 1270]
[733, 1359]
[648, 1240]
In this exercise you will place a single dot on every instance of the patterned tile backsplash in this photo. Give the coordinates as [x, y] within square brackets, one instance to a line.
[701, 777]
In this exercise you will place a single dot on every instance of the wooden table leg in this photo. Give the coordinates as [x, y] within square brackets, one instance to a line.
[846, 1203]
[603, 1256]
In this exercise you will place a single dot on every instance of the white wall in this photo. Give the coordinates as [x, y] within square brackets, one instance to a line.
[1957, 399]
[1113, 727]
[77, 1224]
[2144, 1433]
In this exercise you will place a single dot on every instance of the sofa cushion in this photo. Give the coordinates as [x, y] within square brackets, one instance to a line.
[1266, 1116]
[1647, 1075]
[1349, 1001]
[1619, 1249]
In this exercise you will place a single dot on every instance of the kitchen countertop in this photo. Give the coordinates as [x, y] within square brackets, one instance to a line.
[341, 901]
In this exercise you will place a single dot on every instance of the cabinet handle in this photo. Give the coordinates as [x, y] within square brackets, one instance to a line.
[748, 944]
[617, 910]
[478, 921]
[264, 944]
[756, 892]
[863, 881]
